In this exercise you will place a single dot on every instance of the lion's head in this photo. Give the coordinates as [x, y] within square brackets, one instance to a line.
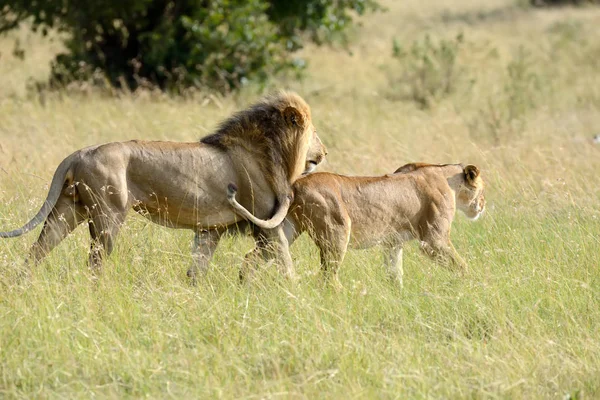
[316, 154]
[303, 143]
[278, 129]
[470, 197]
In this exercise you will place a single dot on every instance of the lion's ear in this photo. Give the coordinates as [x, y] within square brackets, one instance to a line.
[293, 117]
[471, 173]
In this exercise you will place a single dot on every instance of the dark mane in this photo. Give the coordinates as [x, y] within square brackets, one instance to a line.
[255, 124]
[262, 130]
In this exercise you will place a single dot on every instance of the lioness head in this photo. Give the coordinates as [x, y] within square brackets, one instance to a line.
[470, 198]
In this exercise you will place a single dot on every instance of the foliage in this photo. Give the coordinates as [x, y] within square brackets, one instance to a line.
[503, 114]
[429, 69]
[522, 83]
[539, 3]
[220, 44]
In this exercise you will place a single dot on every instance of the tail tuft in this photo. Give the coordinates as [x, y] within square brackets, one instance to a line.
[231, 190]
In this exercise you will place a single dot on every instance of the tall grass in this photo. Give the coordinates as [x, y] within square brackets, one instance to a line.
[524, 323]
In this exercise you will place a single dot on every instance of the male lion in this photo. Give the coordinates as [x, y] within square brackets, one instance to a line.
[262, 149]
[418, 201]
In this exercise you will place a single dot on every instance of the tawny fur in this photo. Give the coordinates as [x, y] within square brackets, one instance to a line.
[262, 150]
[419, 201]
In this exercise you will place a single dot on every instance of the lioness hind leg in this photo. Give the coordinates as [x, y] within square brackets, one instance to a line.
[333, 250]
[204, 246]
[64, 218]
[104, 228]
[330, 263]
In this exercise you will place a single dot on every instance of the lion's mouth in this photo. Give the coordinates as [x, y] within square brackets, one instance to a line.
[310, 167]
[478, 213]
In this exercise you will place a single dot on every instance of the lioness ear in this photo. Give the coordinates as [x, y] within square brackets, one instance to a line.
[293, 117]
[471, 173]
[410, 167]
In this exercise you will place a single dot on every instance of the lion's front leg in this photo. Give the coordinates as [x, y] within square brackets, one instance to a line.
[281, 248]
[443, 252]
[457, 260]
[104, 228]
[203, 247]
[271, 245]
[258, 254]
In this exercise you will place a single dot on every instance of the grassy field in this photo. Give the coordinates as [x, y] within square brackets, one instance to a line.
[523, 103]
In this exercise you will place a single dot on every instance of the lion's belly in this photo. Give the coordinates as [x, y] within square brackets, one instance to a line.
[187, 219]
[194, 209]
[186, 188]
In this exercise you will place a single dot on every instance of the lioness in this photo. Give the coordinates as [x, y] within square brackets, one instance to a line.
[263, 149]
[418, 201]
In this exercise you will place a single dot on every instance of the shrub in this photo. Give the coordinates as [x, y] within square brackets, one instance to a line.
[539, 3]
[502, 116]
[220, 44]
[428, 70]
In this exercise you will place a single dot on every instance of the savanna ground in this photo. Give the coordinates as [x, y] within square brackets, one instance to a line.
[523, 102]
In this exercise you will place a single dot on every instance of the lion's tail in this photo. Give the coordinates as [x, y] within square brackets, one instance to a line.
[64, 168]
[275, 221]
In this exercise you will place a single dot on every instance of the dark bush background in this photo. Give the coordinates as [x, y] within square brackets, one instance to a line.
[541, 3]
[219, 44]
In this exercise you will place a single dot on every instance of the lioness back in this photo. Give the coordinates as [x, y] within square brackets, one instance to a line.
[376, 209]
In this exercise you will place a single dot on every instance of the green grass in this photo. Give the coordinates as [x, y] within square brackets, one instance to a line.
[523, 323]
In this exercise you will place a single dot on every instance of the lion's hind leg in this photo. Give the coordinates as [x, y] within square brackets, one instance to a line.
[204, 246]
[104, 228]
[66, 215]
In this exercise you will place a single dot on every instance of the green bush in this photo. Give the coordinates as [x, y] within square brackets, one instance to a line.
[540, 3]
[428, 70]
[502, 116]
[220, 44]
